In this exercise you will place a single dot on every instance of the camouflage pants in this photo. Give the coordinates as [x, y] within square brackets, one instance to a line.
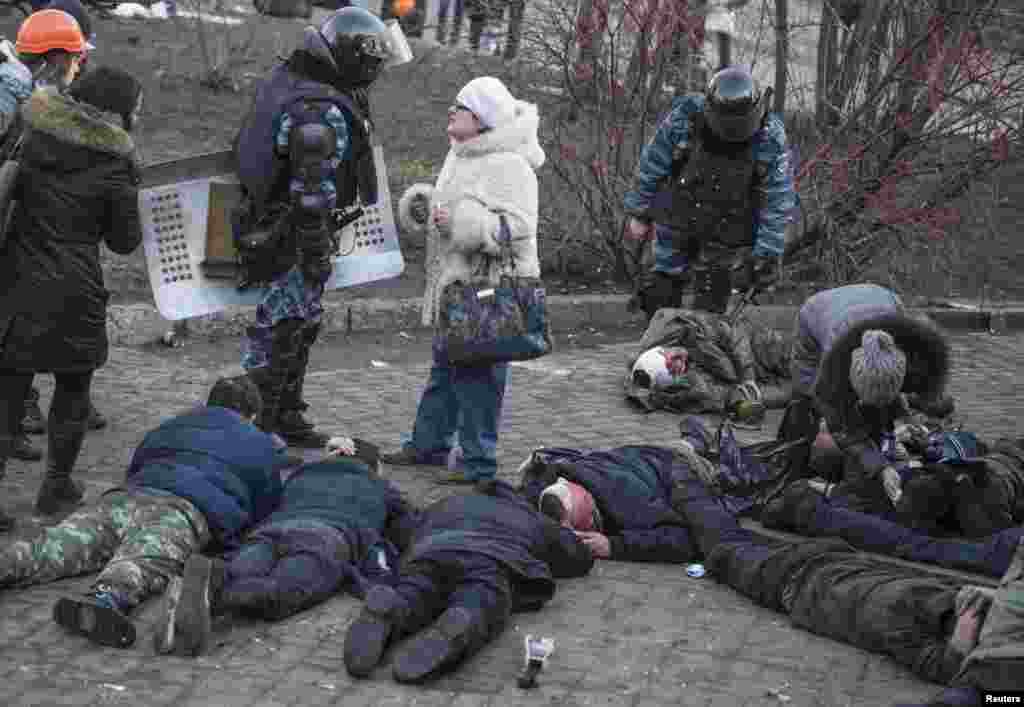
[290, 296]
[136, 542]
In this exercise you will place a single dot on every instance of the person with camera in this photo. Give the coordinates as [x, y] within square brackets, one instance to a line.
[304, 151]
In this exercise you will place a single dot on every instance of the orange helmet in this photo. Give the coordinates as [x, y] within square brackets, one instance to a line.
[47, 30]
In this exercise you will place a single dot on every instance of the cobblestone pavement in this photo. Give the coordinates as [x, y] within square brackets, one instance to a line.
[629, 634]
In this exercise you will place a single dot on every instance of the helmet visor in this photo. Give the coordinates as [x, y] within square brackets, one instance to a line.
[399, 51]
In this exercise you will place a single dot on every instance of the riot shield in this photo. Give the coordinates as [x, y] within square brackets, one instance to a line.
[185, 208]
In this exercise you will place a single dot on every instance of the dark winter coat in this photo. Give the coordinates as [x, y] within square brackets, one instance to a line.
[500, 524]
[343, 494]
[632, 487]
[881, 608]
[1002, 493]
[829, 327]
[78, 185]
[228, 468]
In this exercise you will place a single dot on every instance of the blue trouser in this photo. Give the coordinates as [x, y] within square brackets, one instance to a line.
[286, 568]
[990, 556]
[453, 578]
[467, 399]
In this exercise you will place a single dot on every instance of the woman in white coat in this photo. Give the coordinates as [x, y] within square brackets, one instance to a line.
[488, 174]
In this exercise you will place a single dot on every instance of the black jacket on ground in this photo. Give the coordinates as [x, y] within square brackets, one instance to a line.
[632, 487]
[78, 185]
[498, 522]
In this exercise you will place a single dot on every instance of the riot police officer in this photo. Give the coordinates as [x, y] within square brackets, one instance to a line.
[714, 186]
[304, 153]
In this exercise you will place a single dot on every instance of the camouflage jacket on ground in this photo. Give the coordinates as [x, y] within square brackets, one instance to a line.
[721, 355]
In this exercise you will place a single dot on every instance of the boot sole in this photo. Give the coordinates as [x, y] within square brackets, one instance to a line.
[368, 636]
[439, 647]
[99, 624]
[163, 639]
[193, 616]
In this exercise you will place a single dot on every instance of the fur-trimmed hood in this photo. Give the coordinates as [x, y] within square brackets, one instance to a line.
[58, 115]
[927, 351]
[519, 135]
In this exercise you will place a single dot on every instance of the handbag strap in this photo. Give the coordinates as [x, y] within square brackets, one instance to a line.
[505, 244]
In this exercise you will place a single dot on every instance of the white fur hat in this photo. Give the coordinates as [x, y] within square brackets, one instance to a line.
[489, 100]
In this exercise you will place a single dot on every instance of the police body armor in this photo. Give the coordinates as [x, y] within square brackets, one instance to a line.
[712, 194]
[272, 233]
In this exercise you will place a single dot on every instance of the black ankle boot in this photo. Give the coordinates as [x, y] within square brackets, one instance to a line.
[58, 492]
[100, 615]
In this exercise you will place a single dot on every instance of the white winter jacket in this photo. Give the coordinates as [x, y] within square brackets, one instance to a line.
[481, 178]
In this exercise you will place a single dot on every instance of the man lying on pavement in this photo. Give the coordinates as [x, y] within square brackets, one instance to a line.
[927, 623]
[473, 559]
[700, 362]
[199, 478]
[996, 664]
[339, 525]
[619, 501]
[802, 509]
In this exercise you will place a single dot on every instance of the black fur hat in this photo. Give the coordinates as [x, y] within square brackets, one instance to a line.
[109, 89]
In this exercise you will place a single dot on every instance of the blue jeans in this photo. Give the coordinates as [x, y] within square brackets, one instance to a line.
[467, 399]
[990, 556]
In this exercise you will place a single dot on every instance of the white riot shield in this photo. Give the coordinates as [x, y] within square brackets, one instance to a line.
[186, 234]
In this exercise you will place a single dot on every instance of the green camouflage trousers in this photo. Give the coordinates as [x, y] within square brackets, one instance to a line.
[135, 541]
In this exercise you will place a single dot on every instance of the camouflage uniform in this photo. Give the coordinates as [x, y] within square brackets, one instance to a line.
[721, 356]
[136, 541]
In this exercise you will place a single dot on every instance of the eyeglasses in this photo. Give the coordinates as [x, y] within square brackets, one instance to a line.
[457, 107]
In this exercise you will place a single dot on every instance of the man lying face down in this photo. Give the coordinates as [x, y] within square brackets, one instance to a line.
[929, 623]
[618, 501]
[339, 526]
[199, 478]
[473, 560]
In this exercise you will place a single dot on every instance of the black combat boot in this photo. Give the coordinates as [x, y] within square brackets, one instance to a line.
[369, 635]
[291, 425]
[100, 615]
[272, 379]
[59, 492]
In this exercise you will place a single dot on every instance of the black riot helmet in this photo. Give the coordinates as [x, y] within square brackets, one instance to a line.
[358, 41]
[732, 104]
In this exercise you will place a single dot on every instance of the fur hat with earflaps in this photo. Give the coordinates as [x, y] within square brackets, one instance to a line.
[925, 348]
[111, 90]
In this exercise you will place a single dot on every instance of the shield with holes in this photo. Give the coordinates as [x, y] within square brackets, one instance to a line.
[185, 207]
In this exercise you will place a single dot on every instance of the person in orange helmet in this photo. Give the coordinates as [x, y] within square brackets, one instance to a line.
[17, 80]
[78, 185]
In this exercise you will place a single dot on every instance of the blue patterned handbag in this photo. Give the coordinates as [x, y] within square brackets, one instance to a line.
[481, 324]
